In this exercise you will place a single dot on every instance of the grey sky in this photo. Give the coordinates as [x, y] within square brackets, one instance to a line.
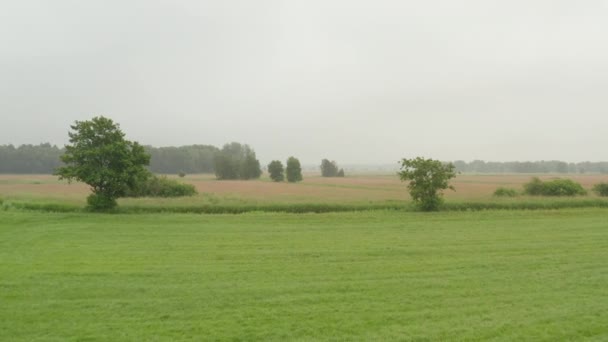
[354, 81]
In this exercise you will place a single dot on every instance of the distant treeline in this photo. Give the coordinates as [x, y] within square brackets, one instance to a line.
[40, 159]
[44, 159]
[551, 166]
[183, 159]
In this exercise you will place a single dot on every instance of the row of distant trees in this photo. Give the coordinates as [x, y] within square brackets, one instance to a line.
[45, 158]
[38, 159]
[550, 166]
[293, 171]
[184, 159]
[232, 161]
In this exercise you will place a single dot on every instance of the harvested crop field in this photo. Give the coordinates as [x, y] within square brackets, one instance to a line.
[353, 189]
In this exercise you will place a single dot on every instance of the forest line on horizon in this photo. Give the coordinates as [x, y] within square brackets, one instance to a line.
[44, 158]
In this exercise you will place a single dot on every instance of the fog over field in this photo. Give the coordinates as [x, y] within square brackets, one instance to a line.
[361, 82]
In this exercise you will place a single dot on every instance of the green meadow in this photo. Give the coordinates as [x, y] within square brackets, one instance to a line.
[536, 275]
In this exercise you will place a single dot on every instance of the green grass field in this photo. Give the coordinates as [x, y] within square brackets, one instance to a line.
[371, 275]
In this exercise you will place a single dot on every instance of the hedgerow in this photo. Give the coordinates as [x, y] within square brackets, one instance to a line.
[556, 187]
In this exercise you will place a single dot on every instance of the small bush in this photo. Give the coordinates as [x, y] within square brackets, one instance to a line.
[99, 202]
[161, 187]
[505, 192]
[601, 189]
[556, 187]
[534, 187]
[563, 187]
[181, 174]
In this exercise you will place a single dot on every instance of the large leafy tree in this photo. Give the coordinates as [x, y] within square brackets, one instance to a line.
[100, 156]
[294, 170]
[276, 171]
[427, 178]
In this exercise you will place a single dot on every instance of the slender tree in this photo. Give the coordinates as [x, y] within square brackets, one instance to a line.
[294, 170]
[276, 171]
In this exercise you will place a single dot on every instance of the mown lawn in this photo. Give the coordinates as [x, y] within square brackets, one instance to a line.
[376, 275]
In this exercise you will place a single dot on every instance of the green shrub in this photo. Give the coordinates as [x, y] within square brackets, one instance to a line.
[531, 204]
[181, 174]
[100, 202]
[161, 187]
[505, 192]
[601, 189]
[544, 204]
[55, 207]
[534, 187]
[563, 187]
[556, 187]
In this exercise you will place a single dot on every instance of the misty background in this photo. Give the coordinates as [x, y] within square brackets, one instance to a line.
[360, 82]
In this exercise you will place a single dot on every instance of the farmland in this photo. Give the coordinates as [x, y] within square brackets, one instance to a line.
[358, 189]
[363, 275]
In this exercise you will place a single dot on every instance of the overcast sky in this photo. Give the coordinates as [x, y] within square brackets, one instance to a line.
[354, 81]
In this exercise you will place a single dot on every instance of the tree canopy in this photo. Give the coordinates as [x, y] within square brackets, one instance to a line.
[100, 156]
[329, 168]
[427, 178]
[294, 170]
[276, 171]
[237, 161]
